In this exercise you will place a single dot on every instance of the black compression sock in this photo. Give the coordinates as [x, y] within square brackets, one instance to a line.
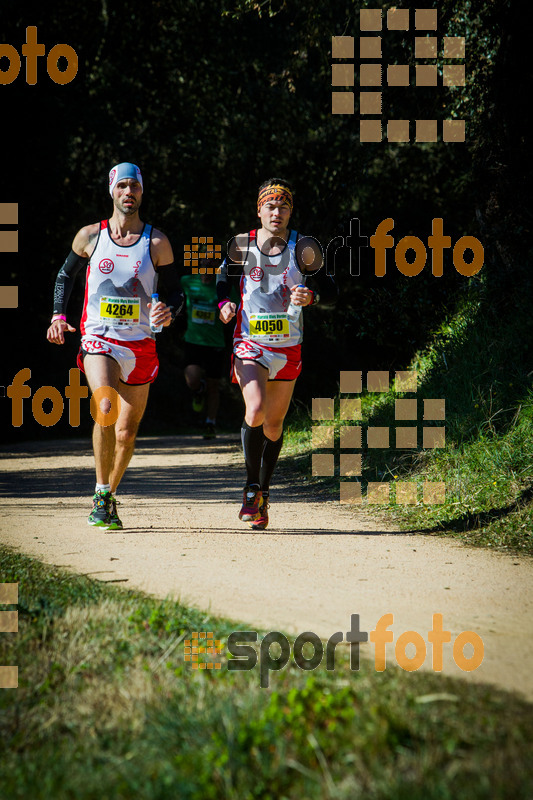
[252, 445]
[271, 451]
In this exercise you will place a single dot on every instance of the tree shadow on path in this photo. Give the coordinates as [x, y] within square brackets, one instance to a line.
[196, 483]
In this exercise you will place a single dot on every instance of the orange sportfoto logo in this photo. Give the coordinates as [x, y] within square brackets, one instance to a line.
[32, 51]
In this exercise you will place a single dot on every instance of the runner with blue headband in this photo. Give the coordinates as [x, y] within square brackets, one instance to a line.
[127, 261]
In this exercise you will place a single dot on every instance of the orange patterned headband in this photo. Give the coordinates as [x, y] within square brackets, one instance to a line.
[274, 192]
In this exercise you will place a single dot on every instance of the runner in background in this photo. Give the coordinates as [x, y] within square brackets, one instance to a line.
[204, 352]
[271, 265]
[127, 260]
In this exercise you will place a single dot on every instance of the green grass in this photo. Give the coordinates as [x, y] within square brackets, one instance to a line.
[107, 708]
[481, 362]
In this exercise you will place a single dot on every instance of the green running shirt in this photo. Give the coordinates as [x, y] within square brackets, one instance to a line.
[203, 324]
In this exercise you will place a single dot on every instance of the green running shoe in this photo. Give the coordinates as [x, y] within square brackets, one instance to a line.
[210, 431]
[198, 401]
[115, 524]
[99, 516]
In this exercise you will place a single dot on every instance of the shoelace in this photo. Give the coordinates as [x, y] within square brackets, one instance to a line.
[113, 503]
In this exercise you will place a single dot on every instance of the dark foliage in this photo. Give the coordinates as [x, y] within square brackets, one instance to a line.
[212, 97]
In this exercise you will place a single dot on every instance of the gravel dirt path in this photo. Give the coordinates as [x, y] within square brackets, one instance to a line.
[318, 562]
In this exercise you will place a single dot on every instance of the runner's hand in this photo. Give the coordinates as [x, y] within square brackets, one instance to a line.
[162, 314]
[227, 311]
[56, 331]
[301, 296]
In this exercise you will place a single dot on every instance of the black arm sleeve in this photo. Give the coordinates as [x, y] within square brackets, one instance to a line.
[169, 283]
[65, 281]
[227, 278]
[322, 285]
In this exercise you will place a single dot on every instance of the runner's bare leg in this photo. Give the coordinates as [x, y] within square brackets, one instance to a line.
[133, 403]
[113, 445]
[102, 371]
[252, 378]
[278, 398]
[212, 397]
[193, 376]
[267, 402]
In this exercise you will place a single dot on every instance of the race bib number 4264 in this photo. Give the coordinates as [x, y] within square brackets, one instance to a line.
[118, 311]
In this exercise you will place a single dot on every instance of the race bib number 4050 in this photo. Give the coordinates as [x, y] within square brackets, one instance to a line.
[119, 311]
[269, 327]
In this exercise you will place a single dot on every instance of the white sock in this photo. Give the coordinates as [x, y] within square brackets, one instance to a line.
[103, 487]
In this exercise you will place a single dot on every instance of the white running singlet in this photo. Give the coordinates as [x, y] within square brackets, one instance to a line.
[119, 284]
[265, 286]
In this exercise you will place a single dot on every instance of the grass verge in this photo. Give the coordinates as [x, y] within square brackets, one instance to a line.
[107, 708]
[487, 463]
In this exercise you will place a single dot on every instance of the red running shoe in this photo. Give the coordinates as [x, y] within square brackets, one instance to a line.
[250, 504]
[261, 522]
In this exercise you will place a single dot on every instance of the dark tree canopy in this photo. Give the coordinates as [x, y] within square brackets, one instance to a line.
[209, 98]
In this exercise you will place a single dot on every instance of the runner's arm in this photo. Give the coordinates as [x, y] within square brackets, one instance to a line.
[325, 290]
[76, 260]
[170, 286]
[65, 282]
[169, 281]
[229, 276]
[227, 285]
[223, 284]
[310, 261]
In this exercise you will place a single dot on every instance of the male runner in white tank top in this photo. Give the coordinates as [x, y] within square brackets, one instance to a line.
[126, 259]
[273, 262]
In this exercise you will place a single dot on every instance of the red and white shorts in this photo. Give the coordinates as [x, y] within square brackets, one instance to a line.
[137, 360]
[283, 363]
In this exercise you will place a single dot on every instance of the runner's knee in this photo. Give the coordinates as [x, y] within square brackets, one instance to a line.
[105, 405]
[193, 382]
[273, 428]
[125, 436]
[255, 414]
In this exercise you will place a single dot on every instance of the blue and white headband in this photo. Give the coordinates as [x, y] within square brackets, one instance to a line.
[124, 170]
